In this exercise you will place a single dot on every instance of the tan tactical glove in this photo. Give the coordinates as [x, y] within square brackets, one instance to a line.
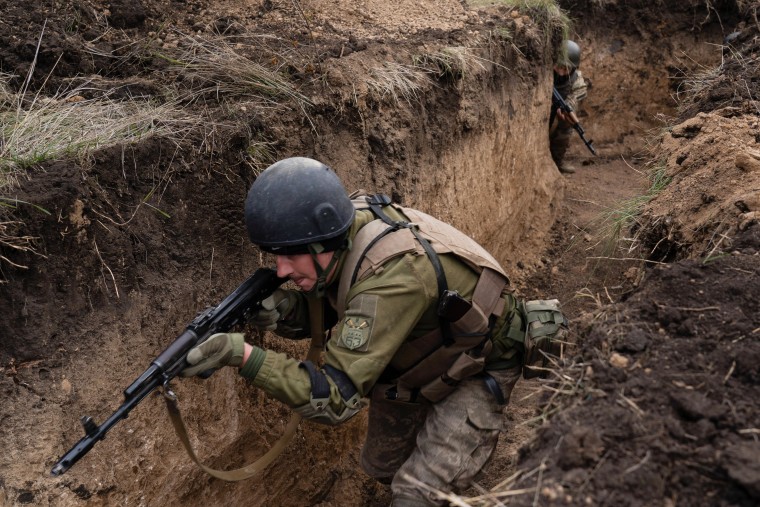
[274, 310]
[221, 349]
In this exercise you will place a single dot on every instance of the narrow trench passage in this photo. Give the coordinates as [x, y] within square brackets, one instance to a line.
[578, 265]
[581, 264]
[572, 274]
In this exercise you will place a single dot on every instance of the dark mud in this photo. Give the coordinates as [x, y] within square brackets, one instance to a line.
[665, 389]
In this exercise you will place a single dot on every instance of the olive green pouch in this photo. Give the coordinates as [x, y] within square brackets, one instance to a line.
[546, 333]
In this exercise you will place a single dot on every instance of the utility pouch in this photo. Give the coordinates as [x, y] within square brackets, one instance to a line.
[465, 366]
[546, 333]
[452, 306]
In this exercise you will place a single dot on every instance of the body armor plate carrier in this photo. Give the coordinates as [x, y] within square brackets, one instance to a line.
[433, 364]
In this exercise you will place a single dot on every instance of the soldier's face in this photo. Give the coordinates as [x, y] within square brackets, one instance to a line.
[561, 70]
[300, 268]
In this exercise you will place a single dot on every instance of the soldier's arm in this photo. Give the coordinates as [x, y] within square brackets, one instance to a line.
[578, 92]
[381, 313]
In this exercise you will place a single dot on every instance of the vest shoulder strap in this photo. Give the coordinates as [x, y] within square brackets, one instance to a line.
[377, 242]
[374, 245]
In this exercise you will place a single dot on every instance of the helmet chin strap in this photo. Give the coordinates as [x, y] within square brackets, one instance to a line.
[321, 285]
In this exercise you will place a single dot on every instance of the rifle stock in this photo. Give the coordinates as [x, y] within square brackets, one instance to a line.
[234, 310]
[559, 103]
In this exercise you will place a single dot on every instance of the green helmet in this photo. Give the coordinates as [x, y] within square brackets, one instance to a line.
[569, 55]
[298, 205]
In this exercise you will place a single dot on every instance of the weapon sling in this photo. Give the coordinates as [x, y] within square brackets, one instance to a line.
[316, 323]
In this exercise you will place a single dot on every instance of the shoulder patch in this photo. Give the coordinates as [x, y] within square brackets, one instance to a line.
[355, 333]
[356, 326]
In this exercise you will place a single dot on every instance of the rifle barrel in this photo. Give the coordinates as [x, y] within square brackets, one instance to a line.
[94, 433]
[232, 311]
[565, 107]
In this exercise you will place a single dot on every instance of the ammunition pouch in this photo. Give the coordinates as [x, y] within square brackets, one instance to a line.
[546, 333]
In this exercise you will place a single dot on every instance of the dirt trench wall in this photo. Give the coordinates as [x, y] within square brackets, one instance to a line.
[501, 186]
[476, 156]
[639, 63]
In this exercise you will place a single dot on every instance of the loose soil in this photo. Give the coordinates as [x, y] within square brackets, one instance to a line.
[655, 402]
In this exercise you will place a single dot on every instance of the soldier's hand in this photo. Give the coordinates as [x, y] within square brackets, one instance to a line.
[221, 349]
[274, 308]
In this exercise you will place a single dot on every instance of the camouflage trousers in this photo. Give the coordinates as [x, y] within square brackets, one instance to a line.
[559, 140]
[443, 445]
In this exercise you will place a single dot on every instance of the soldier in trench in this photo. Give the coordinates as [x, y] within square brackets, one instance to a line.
[569, 82]
[426, 328]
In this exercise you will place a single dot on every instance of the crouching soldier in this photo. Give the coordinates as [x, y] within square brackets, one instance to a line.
[426, 328]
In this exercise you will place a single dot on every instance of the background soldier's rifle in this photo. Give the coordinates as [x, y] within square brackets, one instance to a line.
[559, 103]
[235, 309]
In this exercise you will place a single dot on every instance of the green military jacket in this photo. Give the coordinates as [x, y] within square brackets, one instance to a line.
[394, 304]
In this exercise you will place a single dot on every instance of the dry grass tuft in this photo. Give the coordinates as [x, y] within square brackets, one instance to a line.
[698, 83]
[455, 61]
[69, 125]
[393, 82]
[546, 12]
[615, 224]
[217, 68]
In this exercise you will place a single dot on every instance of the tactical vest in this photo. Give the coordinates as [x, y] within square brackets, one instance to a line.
[431, 365]
[573, 90]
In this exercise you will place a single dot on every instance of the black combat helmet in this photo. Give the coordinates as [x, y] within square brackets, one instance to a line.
[298, 202]
[570, 55]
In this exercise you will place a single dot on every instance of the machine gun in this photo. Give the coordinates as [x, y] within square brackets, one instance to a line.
[559, 103]
[235, 309]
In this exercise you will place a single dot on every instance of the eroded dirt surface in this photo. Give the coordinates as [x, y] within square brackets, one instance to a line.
[664, 393]
[662, 386]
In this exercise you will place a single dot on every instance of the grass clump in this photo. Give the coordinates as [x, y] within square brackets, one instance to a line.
[548, 12]
[69, 125]
[217, 67]
[394, 82]
[616, 222]
[453, 62]
[35, 128]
